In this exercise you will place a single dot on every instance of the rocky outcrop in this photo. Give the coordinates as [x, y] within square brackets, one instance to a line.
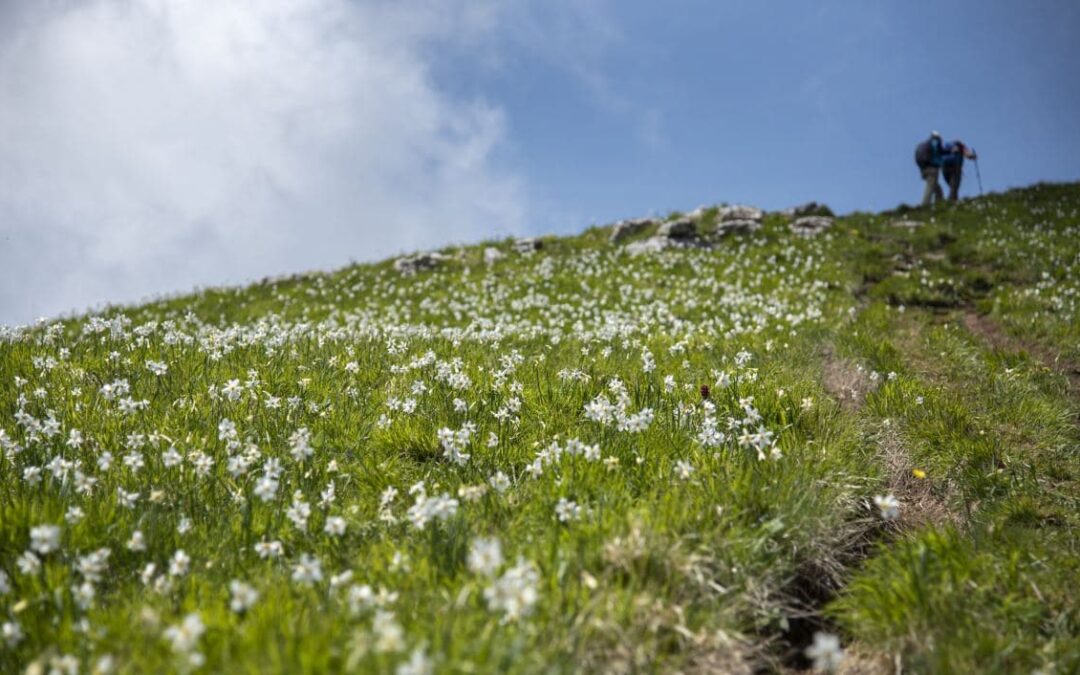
[808, 209]
[411, 264]
[739, 212]
[679, 229]
[493, 255]
[624, 229]
[809, 226]
[528, 245]
[741, 226]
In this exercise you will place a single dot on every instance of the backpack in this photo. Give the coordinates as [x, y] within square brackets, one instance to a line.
[923, 154]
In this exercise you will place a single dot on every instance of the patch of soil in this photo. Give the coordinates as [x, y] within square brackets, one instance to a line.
[919, 505]
[994, 335]
[845, 381]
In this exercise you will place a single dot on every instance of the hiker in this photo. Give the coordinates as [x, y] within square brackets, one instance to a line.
[952, 165]
[928, 157]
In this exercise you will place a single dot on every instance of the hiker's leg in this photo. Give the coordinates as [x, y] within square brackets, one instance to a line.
[931, 189]
[952, 179]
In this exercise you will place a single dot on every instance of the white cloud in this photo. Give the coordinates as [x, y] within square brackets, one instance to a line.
[152, 145]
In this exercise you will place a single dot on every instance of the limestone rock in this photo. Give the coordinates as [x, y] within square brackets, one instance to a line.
[528, 245]
[809, 226]
[808, 209]
[680, 228]
[411, 264]
[739, 212]
[741, 226]
[493, 255]
[628, 228]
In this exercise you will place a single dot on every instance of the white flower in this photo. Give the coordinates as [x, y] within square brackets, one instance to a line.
[888, 506]
[340, 579]
[136, 542]
[683, 470]
[418, 664]
[28, 563]
[300, 444]
[157, 367]
[243, 596]
[335, 526]
[825, 652]
[361, 597]
[567, 510]
[425, 508]
[126, 499]
[185, 635]
[266, 488]
[83, 595]
[171, 457]
[269, 549]
[389, 636]
[299, 512]
[308, 570]
[11, 633]
[485, 556]
[45, 539]
[514, 593]
[499, 482]
[180, 563]
[232, 390]
[454, 442]
[92, 566]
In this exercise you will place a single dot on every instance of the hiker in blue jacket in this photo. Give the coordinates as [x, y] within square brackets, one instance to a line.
[952, 165]
[929, 156]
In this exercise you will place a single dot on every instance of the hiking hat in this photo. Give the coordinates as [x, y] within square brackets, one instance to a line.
[935, 134]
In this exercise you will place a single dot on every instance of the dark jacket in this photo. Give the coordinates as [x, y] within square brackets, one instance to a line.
[929, 153]
[954, 154]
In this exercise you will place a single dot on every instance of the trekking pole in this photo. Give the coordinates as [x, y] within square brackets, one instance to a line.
[978, 176]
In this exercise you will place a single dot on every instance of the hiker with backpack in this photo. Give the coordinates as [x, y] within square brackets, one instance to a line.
[929, 156]
[952, 165]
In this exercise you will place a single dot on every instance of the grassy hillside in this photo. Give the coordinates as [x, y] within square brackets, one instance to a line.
[568, 459]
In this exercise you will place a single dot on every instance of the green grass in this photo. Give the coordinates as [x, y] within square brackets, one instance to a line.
[673, 552]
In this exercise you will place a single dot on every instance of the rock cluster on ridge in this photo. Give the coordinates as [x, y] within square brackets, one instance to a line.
[808, 209]
[411, 264]
[628, 228]
[809, 226]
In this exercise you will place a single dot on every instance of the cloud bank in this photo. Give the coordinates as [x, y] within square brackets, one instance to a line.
[149, 146]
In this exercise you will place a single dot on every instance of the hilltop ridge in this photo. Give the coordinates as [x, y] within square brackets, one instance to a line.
[723, 441]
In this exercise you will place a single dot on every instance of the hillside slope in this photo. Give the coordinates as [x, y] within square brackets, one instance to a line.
[693, 448]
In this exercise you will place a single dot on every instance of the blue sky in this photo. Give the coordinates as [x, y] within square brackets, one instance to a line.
[153, 146]
[772, 103]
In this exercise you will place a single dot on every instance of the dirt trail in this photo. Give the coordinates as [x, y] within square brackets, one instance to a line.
[995, 336]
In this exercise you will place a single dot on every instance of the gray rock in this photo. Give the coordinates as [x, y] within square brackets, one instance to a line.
[411, 264]
[528, 245]
[738, 226]
[493, 255]
[650, 245]
[809, 226]
[680, 228]
[808, 209]
[739, 212]
[628, 228]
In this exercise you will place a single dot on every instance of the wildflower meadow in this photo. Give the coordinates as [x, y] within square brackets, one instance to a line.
[847, 446]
